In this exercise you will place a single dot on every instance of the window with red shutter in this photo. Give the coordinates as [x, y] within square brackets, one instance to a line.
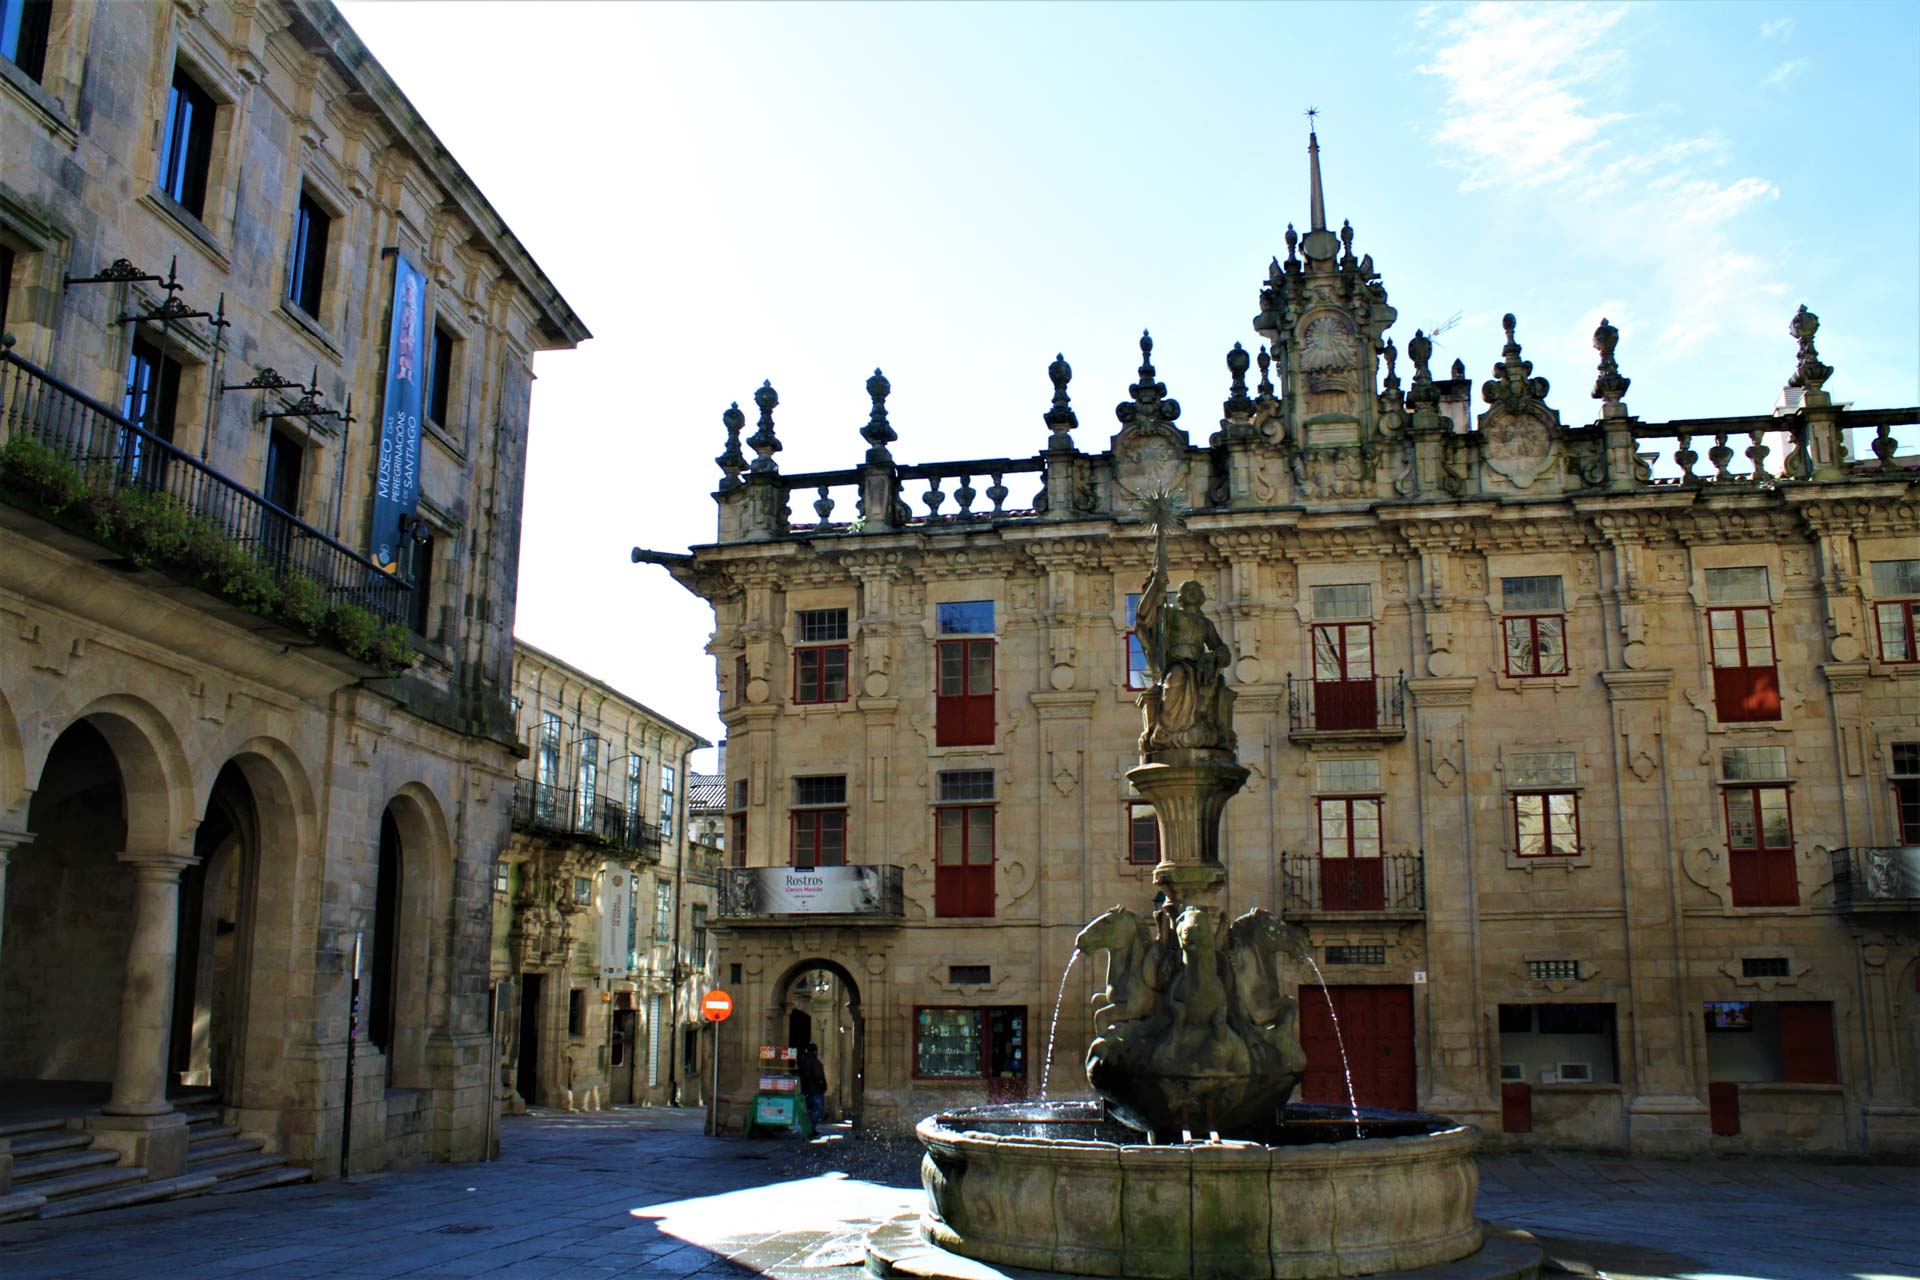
[1806, 1042]
[963, 844]
[963, 676]
[1746, 678]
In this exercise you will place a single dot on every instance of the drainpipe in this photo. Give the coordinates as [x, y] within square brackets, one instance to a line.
[679, 909]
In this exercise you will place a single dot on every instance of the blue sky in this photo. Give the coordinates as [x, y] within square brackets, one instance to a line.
[955, 192]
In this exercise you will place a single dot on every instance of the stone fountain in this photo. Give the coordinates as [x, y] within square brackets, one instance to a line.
[1193, 1163]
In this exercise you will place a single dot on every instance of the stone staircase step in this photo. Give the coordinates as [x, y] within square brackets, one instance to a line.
[197, 1134]
[87, 1181]
[281, 1177]
[16, 1128]
[201, 1115]
[130, 1193]
[200, 1153]
[55, 1163]
[229, 1167]
[20, 1204]
[52, 1140]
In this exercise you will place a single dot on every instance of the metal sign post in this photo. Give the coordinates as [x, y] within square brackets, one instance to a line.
[717, 1006]
[353, 1033]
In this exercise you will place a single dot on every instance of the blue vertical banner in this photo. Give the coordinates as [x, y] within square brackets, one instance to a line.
[396, 490]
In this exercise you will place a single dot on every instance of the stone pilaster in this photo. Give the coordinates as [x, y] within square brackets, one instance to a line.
[1892, 1120]
[1459, 1077]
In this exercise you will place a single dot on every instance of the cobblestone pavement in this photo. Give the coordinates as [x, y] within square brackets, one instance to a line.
[641, 1193]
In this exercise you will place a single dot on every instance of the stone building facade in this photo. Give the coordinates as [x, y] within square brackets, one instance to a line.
[1588, 751]
[237, 756]
[601, 899]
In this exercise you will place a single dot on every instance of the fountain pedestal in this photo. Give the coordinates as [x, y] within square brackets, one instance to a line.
[1189, 798]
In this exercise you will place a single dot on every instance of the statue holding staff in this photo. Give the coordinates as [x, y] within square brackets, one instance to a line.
[1187, 704]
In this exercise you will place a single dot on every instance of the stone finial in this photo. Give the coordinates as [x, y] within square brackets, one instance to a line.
[1459, 371]
[1265, 385]
[1150, 400]
[1346, 245]
[1390, 385]
[763, 442]
[1420, 351]
[1238, 404]
[1060, 417]
[732, 461]
[1293, 248]
[1809, 374]
[878, 433]
[1611, 386]
[1513, 383]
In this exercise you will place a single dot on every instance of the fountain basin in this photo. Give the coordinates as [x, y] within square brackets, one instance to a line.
[1313, 1201]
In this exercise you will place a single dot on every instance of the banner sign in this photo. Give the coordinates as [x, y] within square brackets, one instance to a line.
[776, 891]
[616, 907]
[396, 490]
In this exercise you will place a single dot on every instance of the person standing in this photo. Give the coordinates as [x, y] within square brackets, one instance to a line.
[813, 1084]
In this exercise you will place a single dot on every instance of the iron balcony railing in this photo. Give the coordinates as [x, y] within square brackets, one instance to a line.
[1393, 882]
[113, 454]
[541, 809]
[1869, 876]
[1372, 705]
[748, 893]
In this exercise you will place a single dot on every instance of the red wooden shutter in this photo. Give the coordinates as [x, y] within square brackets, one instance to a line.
[1806, 1042]
[1723, 1109]
[1782, 882]
[1516, 1107]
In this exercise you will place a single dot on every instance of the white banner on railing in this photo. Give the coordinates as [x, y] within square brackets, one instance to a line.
[616, 905]
[773, 891]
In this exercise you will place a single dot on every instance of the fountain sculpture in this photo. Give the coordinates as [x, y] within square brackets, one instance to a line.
[1193, 1163]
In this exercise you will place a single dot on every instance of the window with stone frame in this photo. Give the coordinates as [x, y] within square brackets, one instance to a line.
[669, 784]
[1534, 624]
[662, 911]
[1906, 791]
[818, 818]
[186, 142]
[963, 842]
[1760, 857]
[1347, 807]
[820, 655]
[1546, 807]
[737, 822]
[587, 796]
[1143, 834]
[1896, 599]
[307, 256]
[1138, 676]
[963, 674]
[24, 26]
[1746, 678]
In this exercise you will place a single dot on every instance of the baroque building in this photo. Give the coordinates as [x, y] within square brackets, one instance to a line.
[601, 899]
[1587, 751]
[263, 418]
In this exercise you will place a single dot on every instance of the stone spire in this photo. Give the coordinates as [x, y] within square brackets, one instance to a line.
[763, 442]
[1317, 206]
[878, 433]
[1061, 417]
[732, 461]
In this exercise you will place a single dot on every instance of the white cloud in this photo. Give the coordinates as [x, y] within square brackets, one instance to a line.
[1784, 74]
[1522, 116]
[1773, 28]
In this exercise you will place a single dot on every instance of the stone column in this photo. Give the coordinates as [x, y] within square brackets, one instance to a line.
[1893, 1122]
[9, 841]
[138, 1120]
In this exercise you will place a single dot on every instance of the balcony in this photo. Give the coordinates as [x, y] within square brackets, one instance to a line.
[560, 812]
[1393, 884]
[1340, 710]
[811, 895]
[79, 464]
[1880, 879]
[703, 864]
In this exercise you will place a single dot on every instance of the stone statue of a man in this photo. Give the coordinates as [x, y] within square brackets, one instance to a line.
[1188, 705]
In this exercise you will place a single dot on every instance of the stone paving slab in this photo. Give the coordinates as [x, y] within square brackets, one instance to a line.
[636, 1193]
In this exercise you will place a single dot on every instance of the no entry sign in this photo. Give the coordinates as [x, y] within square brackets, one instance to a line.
[717, 1006]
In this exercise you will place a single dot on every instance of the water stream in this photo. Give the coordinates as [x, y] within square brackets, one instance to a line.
[1046, 1070]
[1338, 1039]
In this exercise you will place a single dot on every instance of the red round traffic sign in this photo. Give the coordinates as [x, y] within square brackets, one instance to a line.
[717, 1006]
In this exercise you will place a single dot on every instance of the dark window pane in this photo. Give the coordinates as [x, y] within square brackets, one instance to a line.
[442, 384]
[23, 34]
[308, 270]
[965, 618]
[186, 144]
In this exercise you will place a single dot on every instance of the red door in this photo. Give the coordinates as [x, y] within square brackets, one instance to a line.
[1516, 1107]
[1343, 696]
[1723, 1109]
[1376, 1025]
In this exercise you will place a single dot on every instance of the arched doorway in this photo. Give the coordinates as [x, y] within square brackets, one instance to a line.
[211, 977]
[70, 913]
[818, 1002]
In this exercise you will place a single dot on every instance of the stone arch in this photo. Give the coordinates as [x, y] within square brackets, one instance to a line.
[846, 1062]
[155, 773]
[419, 972]
[13, 762]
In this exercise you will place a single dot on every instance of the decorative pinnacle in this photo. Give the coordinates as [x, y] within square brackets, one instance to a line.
[1458, 371]
[731, 460]
[878, 433]
[1390, 385]
[1238, 405]
[1265, 386]
[1513, 382]
[1060, 417]
[1610, 387]
[1808, 373]
[1293, 245]
[1150, 401]
[763, 442]
[1317, 221]
[1420, 351]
